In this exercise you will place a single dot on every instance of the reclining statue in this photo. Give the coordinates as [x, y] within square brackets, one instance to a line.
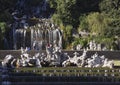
[7, 61]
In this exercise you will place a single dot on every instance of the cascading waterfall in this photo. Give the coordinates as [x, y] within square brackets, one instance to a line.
[20, 37]
[60, 38]
[14, 39]
[40, 38]
[33, 35]
[6, 46]
[57, 37]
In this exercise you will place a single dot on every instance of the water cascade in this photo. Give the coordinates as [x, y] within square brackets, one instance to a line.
[38, 36]
[32, 28]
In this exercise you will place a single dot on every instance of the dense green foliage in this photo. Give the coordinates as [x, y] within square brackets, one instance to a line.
[101, 18]
[3, 27]
[5, 9]
[5, 17]
[69, 11]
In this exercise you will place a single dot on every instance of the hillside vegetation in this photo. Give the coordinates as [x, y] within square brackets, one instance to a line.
[99, 18]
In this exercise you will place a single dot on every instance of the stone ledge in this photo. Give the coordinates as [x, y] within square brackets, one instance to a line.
[115, 55]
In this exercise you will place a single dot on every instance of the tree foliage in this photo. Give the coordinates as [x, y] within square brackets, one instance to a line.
[70, 10]
[67, 34]
[3, 27]
[64, 10]
[6, 7]
[112, 9]
[98, 23]
[83, 26]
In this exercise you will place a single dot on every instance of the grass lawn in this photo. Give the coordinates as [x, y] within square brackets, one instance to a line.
[117, 62]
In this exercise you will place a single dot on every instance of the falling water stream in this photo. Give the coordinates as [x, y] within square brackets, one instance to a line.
[35, 35]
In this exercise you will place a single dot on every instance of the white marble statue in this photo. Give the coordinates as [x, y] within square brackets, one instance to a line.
[99, 61]
[108, 63]
[55, 57]
[76, 60]
[7, 61]
[78, 47]
[99, 47]
[94, 61]
[91, 45]
[38, 63]
[84, 55]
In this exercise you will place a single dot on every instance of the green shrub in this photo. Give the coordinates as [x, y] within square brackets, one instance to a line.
[83, 24]
[82, 41]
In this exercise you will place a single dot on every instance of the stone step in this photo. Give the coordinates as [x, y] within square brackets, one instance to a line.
[61, 79]
[109, 54]
[65, 83]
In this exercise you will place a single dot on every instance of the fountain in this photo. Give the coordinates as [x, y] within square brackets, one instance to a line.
[45, 35]
[37, 37]
[32, 28]
[55, 57]
[35, 31]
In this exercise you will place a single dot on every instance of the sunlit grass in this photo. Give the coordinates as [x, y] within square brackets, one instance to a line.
[117, 62]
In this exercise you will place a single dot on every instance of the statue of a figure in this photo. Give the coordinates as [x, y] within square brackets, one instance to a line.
[78, 47]
[7, 61]
[91, 45]
[108, 63]
[94, 45]
[99, 47]
[49, 50]
[84, 55]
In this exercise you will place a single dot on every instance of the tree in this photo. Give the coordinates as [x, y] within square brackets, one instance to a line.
[6, 7]
[70, 10]
[56, 19]
[67, 35]
[67, 12]
[3, 27]
[98, 23]
[112, 9]
[83, 24]
[53, 3]
[64, 10]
